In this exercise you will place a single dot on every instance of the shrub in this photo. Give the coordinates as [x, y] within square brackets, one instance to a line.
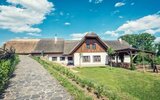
[99, 90]
[133, 67]
[7, 67]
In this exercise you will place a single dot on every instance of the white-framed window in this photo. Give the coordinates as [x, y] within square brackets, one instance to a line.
[97, 58]
[62, 58]
[54, 58]
[86, 58]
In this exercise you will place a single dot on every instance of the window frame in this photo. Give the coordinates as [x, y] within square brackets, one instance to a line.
[54, 57]
[95, 60]
[94, 46]
[87, 44]
[86, 61]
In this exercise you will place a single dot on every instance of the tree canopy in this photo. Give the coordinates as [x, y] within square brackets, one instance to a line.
[143, 41]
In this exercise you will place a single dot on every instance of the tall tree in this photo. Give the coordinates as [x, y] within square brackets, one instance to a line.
[143, 41]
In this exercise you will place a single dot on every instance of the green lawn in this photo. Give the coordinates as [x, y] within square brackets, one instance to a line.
[143, 86]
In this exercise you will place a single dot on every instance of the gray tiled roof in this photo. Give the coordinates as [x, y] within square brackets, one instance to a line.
[69, 45]
[49, 45]
[117, 45]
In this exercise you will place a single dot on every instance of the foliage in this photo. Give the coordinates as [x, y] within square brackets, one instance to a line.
[7, 67]
[158, 48]
[133, 67]
[110, 52]
[143, 41]
[157, 60]
[124, 84]
[99, 90]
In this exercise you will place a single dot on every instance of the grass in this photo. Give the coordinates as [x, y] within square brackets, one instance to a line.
[142, 86]
[72, 89]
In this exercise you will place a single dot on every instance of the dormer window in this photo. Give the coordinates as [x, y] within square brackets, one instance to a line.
[87, 44]
[93, 44]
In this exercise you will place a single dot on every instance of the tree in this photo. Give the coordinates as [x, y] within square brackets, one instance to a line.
[143, 41]
[142, 55]
[157, 46]
[110, 52]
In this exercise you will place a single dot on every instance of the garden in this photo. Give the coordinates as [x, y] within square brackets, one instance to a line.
[105, 83]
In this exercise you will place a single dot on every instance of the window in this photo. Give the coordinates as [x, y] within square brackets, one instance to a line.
[70, 58]
[96, 58]
[87, 44]
[86, 58]
[54, 58]
[62, 58]
[93, 46]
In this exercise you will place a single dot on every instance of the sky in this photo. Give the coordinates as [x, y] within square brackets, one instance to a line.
[72, 19]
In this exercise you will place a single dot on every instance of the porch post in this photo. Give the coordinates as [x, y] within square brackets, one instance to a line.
[117, 59]
[130, 53]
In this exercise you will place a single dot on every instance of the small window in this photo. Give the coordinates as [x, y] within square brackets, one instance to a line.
[86, 58]
[96, 58]
[93, 46]
[70, 58]
[87, 44]
[54, 58]
[62, 58]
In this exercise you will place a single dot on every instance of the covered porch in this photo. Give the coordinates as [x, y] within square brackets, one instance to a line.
[125, 57]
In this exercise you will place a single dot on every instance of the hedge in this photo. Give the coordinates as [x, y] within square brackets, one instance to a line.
[7, 67]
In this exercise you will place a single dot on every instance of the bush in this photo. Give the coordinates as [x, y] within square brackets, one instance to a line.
[157, 60]
[7, 67]
[133, 67]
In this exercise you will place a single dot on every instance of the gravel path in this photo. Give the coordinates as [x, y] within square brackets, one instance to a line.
[33, 82]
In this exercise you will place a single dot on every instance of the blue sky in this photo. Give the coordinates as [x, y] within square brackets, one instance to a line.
[71, 19]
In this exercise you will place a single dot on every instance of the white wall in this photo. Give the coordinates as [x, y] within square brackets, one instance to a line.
[126, 59]
[58, 58]
[78, 60]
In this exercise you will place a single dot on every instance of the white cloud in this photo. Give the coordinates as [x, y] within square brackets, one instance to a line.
[150, 23]
[119, 4]
[157, 40]
[67, 23]
[121, 17]
[23, 18]
[111, 33]
[132, 3]
[34, 34]
[78, 36]
[95, 1]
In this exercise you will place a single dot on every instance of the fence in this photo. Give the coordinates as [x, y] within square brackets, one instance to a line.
[6, 53]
